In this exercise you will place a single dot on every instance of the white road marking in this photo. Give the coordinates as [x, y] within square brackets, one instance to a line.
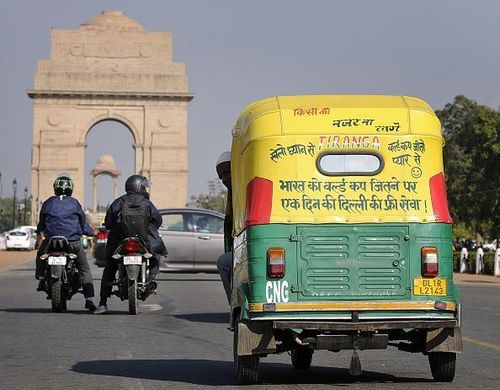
[152, 307]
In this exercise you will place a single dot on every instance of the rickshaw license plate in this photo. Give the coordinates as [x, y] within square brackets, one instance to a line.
[132, 260]
[434, 286]
[57, 260]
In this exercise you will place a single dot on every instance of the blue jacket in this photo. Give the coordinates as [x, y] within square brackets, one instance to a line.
[63, 216]
[112, 222]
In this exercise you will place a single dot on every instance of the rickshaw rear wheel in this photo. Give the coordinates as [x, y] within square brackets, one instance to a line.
[247, 367]
[301, 358]
[442, 366]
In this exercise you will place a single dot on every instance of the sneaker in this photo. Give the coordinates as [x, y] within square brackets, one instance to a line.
[152, 288]
[102, 309]
[90, 306]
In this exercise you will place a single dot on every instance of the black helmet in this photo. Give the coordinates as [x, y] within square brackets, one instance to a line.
[137, 184]
[63, 185]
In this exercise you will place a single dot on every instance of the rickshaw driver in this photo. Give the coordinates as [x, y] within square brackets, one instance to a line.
[224, 262]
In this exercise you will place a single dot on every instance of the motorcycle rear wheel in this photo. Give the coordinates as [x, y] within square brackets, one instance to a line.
[133, 303]
[57, 296]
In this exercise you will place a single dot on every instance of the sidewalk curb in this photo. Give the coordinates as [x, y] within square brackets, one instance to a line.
[483, 280]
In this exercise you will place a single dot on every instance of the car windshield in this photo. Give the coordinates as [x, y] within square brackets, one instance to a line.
[14, 234]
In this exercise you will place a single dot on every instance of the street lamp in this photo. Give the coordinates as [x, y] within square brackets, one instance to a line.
[25, 204]
[14, 187]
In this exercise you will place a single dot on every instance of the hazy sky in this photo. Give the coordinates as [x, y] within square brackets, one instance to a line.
[238, 51]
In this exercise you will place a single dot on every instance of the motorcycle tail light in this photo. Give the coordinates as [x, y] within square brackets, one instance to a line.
[56, 253]
[275, 262]
[102, 235]
[430, 264]
[132, 246]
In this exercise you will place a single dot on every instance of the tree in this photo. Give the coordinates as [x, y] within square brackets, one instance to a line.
[214, 201]
[472, 164]
[6, 205]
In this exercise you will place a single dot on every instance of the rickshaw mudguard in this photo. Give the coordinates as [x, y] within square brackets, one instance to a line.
[254, 337]
[444, 340]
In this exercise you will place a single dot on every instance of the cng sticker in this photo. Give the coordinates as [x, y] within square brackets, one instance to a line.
[277, 291]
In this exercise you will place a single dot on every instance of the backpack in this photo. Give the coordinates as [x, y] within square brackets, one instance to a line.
[134, 218]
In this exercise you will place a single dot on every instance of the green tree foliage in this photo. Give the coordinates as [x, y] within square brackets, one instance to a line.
[6, 205]
[214, 201]
[472, 164]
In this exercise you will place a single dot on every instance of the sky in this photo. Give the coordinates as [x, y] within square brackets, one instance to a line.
[239, 51]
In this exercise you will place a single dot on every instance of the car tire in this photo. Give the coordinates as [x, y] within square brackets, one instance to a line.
[246, 367]
[301, 358]
[442, 366]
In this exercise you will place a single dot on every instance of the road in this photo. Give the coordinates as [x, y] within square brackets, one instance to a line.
[180, 340]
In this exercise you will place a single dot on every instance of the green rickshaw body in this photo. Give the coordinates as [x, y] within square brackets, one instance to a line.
[342, 235]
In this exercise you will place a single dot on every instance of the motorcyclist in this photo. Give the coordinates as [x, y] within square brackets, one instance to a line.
[62, 215]
[135, 187]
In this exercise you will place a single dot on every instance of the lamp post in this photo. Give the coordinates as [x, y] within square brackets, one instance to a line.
[14, 187]
[25, 204]
[1, 221]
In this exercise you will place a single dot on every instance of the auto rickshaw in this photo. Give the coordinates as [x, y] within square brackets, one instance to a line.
[342, 235]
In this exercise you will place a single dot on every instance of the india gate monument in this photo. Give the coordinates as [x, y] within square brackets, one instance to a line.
[110, 68]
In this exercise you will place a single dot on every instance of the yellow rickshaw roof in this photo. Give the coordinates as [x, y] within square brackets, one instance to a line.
[314, 114]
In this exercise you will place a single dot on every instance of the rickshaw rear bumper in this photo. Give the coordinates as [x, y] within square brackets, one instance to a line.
[365, 326]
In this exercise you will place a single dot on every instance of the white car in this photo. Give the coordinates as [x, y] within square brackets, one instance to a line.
[20, 239]
[491, 247]
[194, 239]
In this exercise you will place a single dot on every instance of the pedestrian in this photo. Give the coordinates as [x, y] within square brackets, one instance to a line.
[136, 192]
[225, 261]
[480, 259]
[497, 258]
[464, 259]
[62, 215]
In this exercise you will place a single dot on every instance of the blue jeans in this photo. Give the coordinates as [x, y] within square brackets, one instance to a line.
[224, 265]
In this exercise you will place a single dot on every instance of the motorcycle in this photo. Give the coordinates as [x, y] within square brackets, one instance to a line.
[133, 272]
[61, 274]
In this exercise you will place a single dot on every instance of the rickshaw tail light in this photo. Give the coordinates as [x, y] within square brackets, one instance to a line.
[259, 201]
[439, 201]
[430, 264]
[275, 262]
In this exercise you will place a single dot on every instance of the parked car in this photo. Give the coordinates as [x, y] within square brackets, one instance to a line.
[490, 247]
[20, 239]
[194, 239]
[32, 229]
[99, 246]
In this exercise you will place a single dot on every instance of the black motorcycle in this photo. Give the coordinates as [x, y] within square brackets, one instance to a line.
[133, 280]
[62, 279]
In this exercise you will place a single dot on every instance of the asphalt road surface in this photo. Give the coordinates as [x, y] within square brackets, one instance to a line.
[180, 340]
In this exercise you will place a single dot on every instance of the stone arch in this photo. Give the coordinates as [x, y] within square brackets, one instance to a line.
[104, 118]
[111, 68]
